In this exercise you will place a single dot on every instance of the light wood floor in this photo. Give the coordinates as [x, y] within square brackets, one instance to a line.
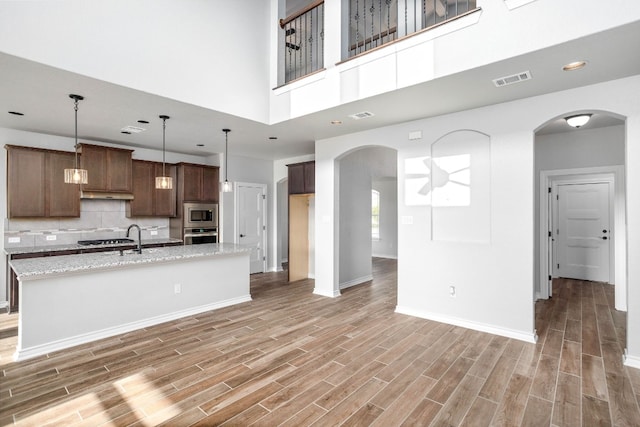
[292, 358]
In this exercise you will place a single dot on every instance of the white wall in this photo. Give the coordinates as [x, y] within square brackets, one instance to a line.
[387, 245]
[355, 219]
[495, 280]
[581, 148]
[208, 53]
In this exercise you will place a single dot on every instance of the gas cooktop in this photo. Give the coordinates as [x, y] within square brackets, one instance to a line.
[105, 241]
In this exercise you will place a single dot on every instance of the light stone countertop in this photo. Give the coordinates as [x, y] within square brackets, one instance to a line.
[74, 246]
[37, 268]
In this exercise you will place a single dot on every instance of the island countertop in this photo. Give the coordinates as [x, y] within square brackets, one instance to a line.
[19, 250]
[35, 268]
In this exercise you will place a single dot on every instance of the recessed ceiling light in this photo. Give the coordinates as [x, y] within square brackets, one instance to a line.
[16, 113]
[273, 138]
[336, 122]
[126, 132]
[576, 65]
[362, 115]
[132, 129]
[199, 145]
[146, 122]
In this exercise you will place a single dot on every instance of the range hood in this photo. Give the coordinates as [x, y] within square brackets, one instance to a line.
[105, 195]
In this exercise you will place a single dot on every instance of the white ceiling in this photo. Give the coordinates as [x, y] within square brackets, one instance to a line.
[41, 93]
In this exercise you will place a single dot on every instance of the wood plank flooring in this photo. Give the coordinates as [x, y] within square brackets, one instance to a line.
[292, 358]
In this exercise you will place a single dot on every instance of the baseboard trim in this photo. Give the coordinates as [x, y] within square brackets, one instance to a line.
[356, 281]
[631, 361]
[322, 293]
[42, 349]
[476, 326]
[4, 304]
[384, 256]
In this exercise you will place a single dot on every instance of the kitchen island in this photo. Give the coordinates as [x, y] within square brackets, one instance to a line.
[74, 299]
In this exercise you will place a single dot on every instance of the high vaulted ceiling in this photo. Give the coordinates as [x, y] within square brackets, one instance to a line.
[41, 93]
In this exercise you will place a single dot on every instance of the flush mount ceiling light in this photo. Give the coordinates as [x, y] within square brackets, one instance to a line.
[76, 175]
[576, 65]
[164, 182]
[16, 113]
[336, 122]
[227, 187]
[578, 120]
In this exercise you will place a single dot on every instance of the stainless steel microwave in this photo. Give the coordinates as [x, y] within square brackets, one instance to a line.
[200, 215]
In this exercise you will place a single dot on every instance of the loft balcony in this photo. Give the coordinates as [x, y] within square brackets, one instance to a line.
[369, 24]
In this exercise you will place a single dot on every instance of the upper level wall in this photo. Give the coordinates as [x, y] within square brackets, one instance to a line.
[212, 54]
[495, 33]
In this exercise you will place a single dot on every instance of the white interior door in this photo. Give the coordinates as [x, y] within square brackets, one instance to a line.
[584, 231]
[250, 210]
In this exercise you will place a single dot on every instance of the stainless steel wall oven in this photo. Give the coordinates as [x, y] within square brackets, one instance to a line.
[200, 223]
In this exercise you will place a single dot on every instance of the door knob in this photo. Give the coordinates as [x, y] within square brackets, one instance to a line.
[604, 237]
[242, 235]
[604, 231]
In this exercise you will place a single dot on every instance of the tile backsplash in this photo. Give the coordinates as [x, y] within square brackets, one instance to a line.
[99, 219]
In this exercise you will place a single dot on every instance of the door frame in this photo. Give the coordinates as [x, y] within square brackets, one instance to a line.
[236, 232]
[618, 255]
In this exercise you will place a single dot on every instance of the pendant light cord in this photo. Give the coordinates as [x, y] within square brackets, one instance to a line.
[226, 153]
[75, 147]
[164, 127]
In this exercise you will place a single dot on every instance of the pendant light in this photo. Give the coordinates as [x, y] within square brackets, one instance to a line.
[76, 175]
[227, 187]
[164, 182]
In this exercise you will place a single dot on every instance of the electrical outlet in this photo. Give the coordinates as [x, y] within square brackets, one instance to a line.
[51, 237]
[153, 232]
[13, 240]
[452, 291]
[177, 288]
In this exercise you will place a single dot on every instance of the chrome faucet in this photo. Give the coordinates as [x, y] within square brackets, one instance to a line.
[139, 249]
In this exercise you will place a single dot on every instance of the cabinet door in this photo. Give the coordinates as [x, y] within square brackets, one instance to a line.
[296, 179]
[310, 177]
[210, 184]
[94, 160]
[119, 170]
[143, 189]
[165, 200]
[192, 185]
[62, 199]
[25, 183]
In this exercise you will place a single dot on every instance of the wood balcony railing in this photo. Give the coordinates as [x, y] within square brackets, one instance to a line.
[304, 41]
[373, 23]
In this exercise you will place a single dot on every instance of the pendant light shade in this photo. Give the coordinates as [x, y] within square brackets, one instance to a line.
[164, 182]
[227, 187]
[76, 175]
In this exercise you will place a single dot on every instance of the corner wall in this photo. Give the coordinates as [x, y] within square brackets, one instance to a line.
[495, 281]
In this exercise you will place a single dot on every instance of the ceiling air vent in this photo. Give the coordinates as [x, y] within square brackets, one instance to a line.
[362, 115]
[514, 78]
[132, 129]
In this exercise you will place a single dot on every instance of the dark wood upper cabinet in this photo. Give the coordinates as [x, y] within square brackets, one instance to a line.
[302, 178]
[62, 199]
[109, 168]
[147, 200]
[198, 183]
[35, 185]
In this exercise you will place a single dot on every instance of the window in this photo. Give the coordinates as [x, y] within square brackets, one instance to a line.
[375, 215]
